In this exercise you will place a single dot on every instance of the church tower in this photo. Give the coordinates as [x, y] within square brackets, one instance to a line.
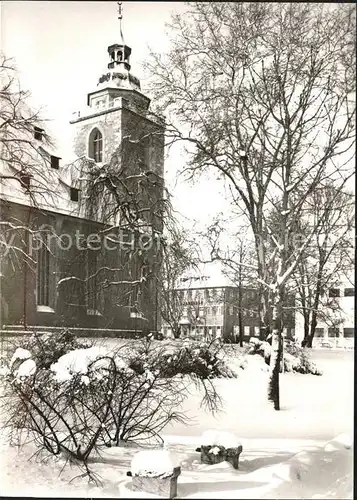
[118, 129]
[117, 109]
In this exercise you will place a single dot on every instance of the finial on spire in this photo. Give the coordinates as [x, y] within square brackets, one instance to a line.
[120, 17]
[120, 11]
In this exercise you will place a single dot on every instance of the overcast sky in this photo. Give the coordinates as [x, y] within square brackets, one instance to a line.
[60, 49]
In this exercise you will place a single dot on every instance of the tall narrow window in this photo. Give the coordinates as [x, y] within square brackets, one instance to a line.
[55, 162]
[93, 293]
[38, 133]
[96, 145]
[43, 275]
[74, 194]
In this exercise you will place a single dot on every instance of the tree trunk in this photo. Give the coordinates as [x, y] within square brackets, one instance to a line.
[241, 330]
[276, 356]
[240, 316]
[306, 314]
[314, 314]
[264, 326]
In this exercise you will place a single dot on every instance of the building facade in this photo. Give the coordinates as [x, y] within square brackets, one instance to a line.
[81, 241]
[209, 310]
[336, 326]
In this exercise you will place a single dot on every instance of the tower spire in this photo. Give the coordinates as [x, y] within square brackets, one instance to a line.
[120, 17]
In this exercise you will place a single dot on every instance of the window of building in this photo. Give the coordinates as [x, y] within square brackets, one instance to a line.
[231, 310]
[333, 332]
[319, 332]
[348, 332]
[247, 331]
[38, 133]
[334, 292]
[92, 285]
[256, 331]
[55, 162]
[349, 292]
[96, 145]
[74, 194]
[208, 310]
[43, 274]
[25, 180]
[214, 310]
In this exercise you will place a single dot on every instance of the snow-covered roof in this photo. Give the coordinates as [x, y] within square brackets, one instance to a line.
[208, 275]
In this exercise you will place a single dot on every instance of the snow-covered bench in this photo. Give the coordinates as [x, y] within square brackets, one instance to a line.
[220, 446]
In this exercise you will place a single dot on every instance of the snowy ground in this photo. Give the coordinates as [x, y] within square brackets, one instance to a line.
[284, 453]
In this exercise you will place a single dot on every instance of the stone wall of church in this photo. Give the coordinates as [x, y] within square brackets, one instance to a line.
[70, 300]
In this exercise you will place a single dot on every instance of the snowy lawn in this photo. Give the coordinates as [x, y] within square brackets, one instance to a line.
[269, 469]
[284, 453]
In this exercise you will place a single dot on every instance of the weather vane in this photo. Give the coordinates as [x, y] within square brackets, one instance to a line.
[120, 10]
[120, 17]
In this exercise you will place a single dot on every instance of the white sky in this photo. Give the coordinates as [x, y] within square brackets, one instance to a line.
[60, 49]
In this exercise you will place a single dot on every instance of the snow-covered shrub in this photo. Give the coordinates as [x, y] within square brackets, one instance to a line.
[195, 359]
[260, 347]
[86, 399]
[47, 348]
[295, 358]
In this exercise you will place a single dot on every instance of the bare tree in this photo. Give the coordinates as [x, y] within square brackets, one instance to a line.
[263, 95]
[179, 256]
[327, 259]
[25, 175]
[23, 139]
[239, 266]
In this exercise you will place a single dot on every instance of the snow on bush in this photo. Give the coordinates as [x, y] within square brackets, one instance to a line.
[78, 362]
[46, 348]
[20, 354]
[4, 371]
[295, 358]
[81, 400]
[219, 438]
[154, 463]
[26, 369]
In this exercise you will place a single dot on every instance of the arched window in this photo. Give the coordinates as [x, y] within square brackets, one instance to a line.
[96, 145]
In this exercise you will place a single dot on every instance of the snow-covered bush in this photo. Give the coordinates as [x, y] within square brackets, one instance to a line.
[295, 358]
[47, 348]
[86, 399]
[198, 359]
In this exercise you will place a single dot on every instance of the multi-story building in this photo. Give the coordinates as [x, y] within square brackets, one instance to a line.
[213, 307]
[78, 252]
[336, 323]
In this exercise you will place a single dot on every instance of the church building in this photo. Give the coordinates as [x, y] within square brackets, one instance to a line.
[82, 241]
